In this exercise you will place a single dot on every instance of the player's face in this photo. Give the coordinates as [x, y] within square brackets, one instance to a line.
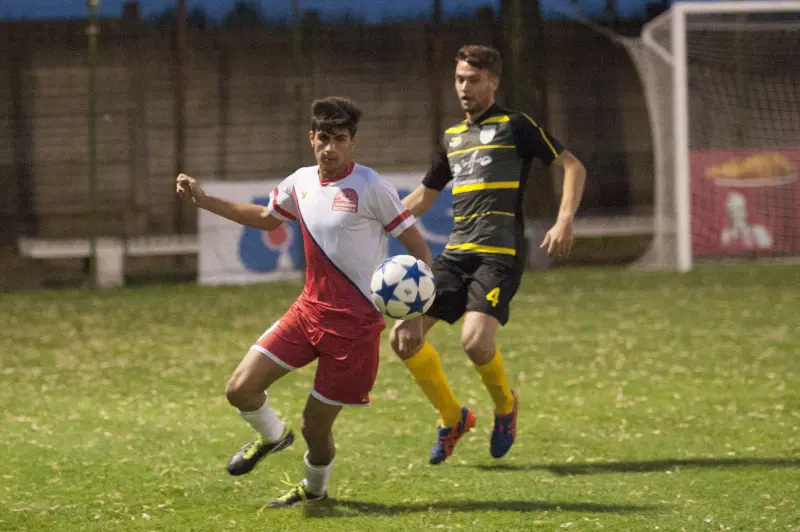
[475, 88]
[333, 150]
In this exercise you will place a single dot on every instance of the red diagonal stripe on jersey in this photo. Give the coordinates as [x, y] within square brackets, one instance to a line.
[278, 208]
[334, 302]
[397, 221]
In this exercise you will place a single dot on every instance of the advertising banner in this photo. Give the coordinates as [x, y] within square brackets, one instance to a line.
[745, 203]
[232, 254]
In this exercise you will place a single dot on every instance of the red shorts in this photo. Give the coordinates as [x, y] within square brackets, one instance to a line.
[346, 369]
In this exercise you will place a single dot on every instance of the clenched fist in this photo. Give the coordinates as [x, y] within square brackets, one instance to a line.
[188, 188]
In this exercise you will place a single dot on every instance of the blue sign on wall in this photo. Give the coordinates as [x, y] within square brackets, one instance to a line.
[263, 252]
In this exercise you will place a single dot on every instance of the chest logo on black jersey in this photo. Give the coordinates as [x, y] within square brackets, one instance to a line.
[467, 164]
[345, 200]
[456, 141]
[487, 134]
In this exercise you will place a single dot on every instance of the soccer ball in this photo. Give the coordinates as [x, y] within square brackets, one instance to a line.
[403, 287]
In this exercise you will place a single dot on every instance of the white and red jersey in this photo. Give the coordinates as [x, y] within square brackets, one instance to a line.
[345, 222]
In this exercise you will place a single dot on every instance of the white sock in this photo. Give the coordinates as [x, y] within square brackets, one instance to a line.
[265, 421]
[317, 476]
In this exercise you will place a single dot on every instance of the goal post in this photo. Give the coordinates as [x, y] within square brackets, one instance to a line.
[722, 84]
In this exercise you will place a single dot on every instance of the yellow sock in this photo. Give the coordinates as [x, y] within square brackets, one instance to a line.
[426, 369]
[494, 378]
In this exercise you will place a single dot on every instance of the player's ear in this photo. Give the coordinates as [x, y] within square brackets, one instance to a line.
[311, 138]
[494, 82]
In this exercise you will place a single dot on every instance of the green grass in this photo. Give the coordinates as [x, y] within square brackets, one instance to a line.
[649, 402]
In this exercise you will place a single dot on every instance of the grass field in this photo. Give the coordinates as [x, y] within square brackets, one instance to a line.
[649, 402]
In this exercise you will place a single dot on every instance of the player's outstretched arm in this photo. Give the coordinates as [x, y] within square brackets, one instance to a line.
[420, 200]
[416, 245]
[558, 240]
[248, 214]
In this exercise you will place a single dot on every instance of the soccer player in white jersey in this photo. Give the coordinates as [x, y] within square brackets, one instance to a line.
[345, 212]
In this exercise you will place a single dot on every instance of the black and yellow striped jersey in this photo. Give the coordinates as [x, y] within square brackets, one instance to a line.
[488, 161]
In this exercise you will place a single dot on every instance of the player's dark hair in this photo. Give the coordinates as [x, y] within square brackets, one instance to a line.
[483, 57]
[335, 112]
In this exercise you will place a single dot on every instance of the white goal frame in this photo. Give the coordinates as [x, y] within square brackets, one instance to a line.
[677, 58]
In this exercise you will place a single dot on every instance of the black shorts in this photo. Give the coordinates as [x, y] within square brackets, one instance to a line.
[472, 282]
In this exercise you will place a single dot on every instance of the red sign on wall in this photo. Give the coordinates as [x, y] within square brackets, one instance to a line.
[745, 203]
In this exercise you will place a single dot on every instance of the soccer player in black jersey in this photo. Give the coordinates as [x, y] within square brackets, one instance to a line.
[488, 157]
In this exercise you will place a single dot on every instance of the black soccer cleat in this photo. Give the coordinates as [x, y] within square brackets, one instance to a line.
[248, 456]
[297, 495]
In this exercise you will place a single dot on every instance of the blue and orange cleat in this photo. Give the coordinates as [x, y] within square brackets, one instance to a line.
[449, 436]
[505, 430]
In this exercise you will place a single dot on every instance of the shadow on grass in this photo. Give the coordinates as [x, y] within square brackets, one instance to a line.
[597, 468]
[348, 508]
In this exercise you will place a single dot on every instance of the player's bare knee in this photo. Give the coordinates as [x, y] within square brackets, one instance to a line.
[233, 391]
[480, 350]
[239, 393]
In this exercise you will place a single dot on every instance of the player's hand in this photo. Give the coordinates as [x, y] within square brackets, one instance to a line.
[188, 188]
[558, 240]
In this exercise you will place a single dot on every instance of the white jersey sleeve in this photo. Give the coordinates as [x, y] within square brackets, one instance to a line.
[281, 202]
[385, 205]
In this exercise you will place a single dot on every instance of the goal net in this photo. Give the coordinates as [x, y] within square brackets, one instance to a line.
[722, 82]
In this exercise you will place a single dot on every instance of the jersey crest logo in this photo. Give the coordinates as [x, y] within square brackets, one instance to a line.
[346, 200]
[456, 141]
[487, 134]
[303, 195]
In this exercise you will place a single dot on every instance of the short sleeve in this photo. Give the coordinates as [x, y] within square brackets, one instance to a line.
[281, 203]
[439, 173]
[388, 209]
[532, 141]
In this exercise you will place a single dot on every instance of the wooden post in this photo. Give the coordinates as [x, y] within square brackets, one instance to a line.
[741, 86]
[526, 88]
[24, 211]
[538, 68]
[513, 44]
[93, 222]
[223, 102]
[543, 198]
[179, 90]
[139, 167]
[434, 46]
[300, 73]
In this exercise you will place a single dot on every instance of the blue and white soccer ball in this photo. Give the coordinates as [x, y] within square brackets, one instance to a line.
[403, 287]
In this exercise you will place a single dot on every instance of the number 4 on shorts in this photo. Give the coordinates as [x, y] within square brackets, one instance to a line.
[493, 297]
